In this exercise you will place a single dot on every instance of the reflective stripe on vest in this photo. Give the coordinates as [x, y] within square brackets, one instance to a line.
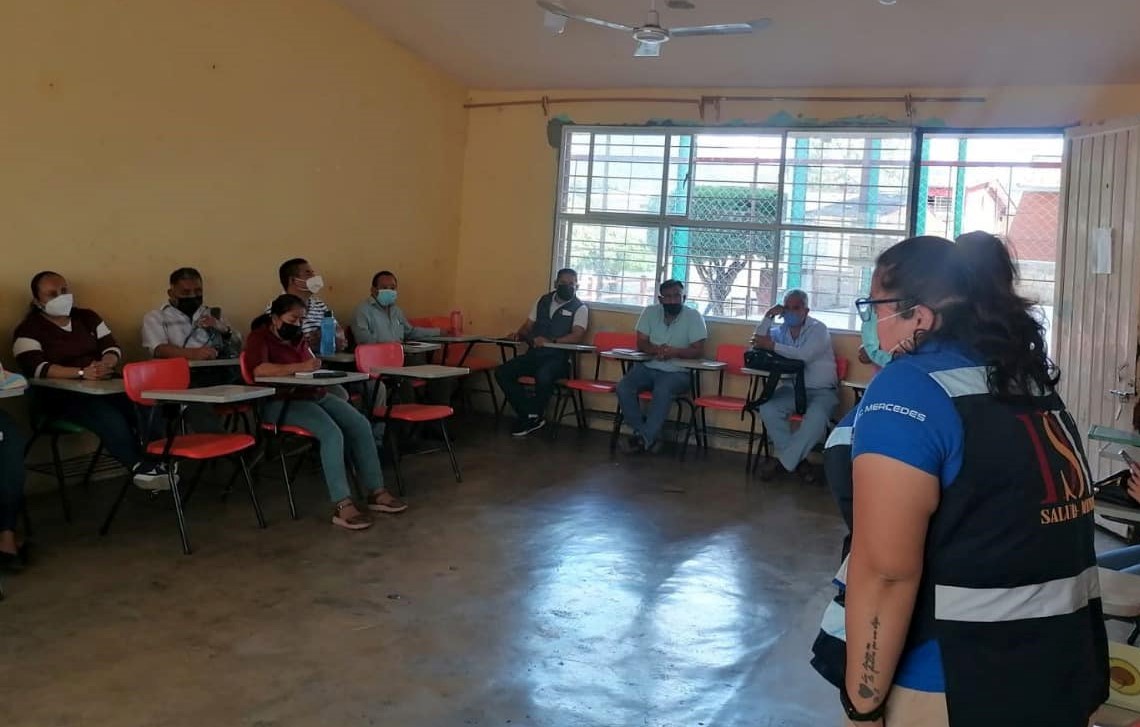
[1040, 600]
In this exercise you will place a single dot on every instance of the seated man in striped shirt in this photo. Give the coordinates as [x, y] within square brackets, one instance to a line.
[59, 341]
[299, 278]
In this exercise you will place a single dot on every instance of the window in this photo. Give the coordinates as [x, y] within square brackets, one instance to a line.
[739, 217]
[1006, 184]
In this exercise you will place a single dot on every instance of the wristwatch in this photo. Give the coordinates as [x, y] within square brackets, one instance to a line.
[855, 715]
[81, 373]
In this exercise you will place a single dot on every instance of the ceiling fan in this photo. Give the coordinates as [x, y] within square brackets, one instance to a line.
[651, 36]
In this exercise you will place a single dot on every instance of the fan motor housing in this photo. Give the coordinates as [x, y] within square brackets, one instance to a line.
[651, 34]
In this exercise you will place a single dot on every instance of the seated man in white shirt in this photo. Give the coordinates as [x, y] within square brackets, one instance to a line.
[806, 339]
[184, 327]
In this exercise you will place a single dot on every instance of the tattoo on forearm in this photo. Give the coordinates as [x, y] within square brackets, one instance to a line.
[868, 689]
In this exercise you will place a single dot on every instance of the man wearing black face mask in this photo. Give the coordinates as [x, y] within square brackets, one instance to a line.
[185, 328]
[557, 317]
[667, 331]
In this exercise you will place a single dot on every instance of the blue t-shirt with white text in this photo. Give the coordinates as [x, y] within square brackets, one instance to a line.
[907, 415]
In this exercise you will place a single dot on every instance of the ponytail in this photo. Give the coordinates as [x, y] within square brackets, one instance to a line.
[971, 283]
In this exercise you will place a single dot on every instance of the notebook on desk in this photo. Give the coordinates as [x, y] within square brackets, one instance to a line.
[321, 374]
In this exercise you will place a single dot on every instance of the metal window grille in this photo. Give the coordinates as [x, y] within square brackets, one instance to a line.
[743, 215]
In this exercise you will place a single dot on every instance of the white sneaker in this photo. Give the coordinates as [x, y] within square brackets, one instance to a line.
[153, 477]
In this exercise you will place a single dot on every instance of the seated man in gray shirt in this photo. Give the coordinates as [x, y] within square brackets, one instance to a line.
[184, 327]
[379, 320]
[806, 339]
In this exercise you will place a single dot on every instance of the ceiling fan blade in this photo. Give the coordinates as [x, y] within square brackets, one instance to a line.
[726, 29]
[647, 50]
[557, 9]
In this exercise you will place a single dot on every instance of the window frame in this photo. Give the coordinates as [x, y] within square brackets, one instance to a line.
[664, 221]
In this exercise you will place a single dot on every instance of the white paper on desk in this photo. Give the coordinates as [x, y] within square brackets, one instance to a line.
[311, 374]
[626, 350]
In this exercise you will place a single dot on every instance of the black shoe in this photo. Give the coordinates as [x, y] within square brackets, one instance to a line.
[11, 563]
[808, 473]
[771, 469]
[528, 425]
[633, 444]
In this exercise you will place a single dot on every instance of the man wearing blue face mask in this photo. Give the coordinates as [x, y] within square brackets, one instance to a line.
[379, 320]
[806, 339]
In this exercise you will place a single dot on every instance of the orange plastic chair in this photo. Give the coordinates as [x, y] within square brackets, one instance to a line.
[841, 365]
[276, 431]
[733, 356]
[573, 390]
[174, 373]
[461, 355]
[372, 356]
[841, 373]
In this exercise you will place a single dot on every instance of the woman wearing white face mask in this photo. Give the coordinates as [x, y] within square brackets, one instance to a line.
[970, 590]
[57, 340]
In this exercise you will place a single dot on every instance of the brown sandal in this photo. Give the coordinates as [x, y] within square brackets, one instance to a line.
[359, 521]
[392, 505]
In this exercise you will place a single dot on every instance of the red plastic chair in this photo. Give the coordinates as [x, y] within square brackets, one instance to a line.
[461, 355]
[174, 373]
[372, 356]
[733, 356]
[573, 390]
[275, 430]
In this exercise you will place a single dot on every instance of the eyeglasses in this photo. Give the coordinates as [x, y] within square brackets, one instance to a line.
[864, 306]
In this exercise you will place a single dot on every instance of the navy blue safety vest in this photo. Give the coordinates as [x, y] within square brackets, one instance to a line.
[550, 323]
[1009, 586]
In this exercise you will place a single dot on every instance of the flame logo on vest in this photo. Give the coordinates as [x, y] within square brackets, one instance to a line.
[1064, 471]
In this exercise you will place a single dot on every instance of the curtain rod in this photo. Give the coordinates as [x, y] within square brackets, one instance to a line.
[547, 101]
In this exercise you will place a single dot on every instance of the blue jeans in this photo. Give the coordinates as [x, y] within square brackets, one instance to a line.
[341, 429]
[1122, 559]
[792, 447]
[665, 385]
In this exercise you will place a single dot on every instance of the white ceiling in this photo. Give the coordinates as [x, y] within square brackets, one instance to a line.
[501, 44]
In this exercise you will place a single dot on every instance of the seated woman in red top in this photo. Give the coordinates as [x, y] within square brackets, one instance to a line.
[59, 341]
[278, 348]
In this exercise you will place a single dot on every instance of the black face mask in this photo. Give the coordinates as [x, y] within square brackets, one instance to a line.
[565, 292]
[289, 331]
[672, 309]
[189, 306]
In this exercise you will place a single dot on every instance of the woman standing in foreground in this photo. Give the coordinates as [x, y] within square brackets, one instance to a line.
[971, 591]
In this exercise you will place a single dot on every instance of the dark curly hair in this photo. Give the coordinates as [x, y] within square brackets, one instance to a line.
[971, 285]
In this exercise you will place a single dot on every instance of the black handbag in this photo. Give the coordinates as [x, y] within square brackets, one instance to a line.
[777, 367]
[1113, 490]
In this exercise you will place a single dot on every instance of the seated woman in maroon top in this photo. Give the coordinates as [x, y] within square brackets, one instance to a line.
[56, 340]
[278, 348]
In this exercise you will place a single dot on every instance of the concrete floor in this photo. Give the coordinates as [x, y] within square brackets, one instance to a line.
[554, 586]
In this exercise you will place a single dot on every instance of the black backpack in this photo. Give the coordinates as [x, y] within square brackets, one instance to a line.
[778, 367]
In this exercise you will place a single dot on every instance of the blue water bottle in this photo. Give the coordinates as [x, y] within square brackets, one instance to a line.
[328, 334]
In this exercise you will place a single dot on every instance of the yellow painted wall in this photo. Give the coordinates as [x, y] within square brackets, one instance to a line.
[137, 136]
[510, 175]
